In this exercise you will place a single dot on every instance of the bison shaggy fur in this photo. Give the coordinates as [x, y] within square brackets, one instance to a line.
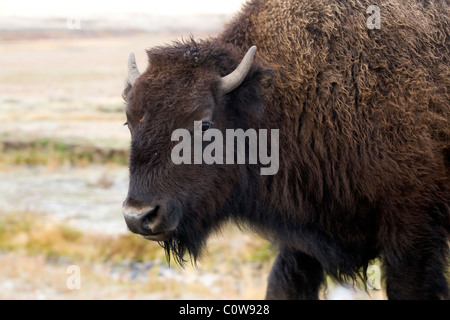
[364, 120]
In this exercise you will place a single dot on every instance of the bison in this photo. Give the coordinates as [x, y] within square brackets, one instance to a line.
[363, 115]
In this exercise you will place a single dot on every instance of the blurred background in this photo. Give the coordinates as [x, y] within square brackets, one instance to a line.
[64, 153]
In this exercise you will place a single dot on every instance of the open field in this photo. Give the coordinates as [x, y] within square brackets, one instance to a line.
[37, 250]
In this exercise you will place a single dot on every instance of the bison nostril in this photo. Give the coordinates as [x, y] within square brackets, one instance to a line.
[148, 216]
[139, 220]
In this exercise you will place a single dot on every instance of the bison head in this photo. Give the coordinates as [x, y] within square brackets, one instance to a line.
[179, 205]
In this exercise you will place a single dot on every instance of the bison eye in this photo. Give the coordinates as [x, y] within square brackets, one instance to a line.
[205, 125]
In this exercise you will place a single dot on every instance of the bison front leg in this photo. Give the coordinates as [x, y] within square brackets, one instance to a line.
[294, 275]
[419, 273]
[415, 254]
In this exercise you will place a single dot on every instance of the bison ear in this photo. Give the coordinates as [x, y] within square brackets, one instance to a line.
[259, 81]
[248, 98]
[265, 78]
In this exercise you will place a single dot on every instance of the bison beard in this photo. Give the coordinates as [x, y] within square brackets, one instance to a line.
[178, 246]
[190, 237]
[364, 127]
[176, 249]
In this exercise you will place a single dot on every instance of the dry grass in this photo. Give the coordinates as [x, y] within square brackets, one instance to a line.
[34, 233]
[36, 251]
[54, 152]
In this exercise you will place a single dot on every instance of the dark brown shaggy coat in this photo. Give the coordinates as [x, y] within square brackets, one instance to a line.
[364, 120]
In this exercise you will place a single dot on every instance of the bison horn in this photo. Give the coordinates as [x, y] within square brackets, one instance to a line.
[133, 71]
[234, 79]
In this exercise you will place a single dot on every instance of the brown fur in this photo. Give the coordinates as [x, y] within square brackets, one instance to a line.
[364, 119]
